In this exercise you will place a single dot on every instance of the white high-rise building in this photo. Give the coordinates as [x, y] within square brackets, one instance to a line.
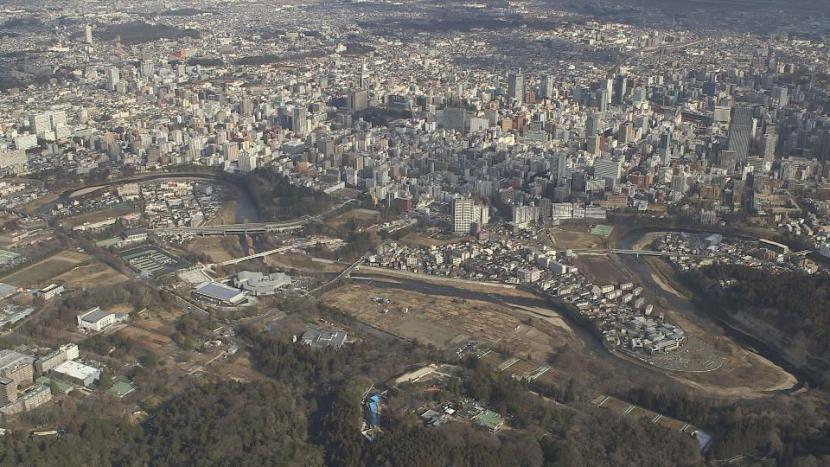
[465, 213]
[113, 77]
[88, 34]
[608, 169]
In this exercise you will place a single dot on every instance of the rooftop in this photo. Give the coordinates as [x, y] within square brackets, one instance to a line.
[94, 315]
[10, 358]
[219, 291]
[77, 370]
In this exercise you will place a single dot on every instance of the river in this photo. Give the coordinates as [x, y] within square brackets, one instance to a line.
[246, 210]
[645, 276]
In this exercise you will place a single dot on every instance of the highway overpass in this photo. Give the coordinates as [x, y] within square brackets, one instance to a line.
[249, 227]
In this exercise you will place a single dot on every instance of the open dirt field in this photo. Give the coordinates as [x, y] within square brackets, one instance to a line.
[211, 246]
[601, 269]
[150, 340]
[91, 275]
[303, 263]
[418, 239]
[573, 237]
[358, 215]
[98, 216]
[443, 321]
[40, 273]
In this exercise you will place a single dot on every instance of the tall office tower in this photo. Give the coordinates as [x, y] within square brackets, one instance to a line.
[770, 143]
[679, 182]
[462, 215]
[559, 168]
[359, 100]
[88, 34]
[781, 96]
[455, 118]
[625, 134]
[363, 80]
[594, 144]
[665, 148]
[548, 88]
[740, 131]
[299, 120]
[602, 100]
[57, 119]
[113, 77]
[41, 124]
[8, 391]
[516, 86]
[620, 83]
[608, 169]
[592, 125]
[608, 87]
[824, 151]
[148, 68]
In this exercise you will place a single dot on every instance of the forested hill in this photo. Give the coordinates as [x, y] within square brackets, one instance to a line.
[795, 304]
[277, 199]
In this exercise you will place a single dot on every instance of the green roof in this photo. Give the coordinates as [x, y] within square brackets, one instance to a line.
[121, 388]
[63, 387]
[602, 230]
[489, 419]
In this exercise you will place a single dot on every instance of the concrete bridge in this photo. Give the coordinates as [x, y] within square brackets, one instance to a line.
[250, 227]
[233, 229]
[617, 251]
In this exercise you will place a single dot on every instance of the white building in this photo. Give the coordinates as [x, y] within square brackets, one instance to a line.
[257, 283]
[608, 169]
[465, 213]
[76, 373]
[50, 291]
[96, 320]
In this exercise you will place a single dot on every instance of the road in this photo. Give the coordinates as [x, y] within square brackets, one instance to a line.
[274, 251]
[252, 227]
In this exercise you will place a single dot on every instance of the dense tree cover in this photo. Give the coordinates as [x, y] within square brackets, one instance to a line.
[214, 424]
[510, 397]
[788, 430]
[792, 302]
[95, 442]
[63, 312]
[231, 424]
[276, 198]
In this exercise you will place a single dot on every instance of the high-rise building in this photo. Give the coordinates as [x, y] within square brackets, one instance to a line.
[17, 367]
[359, 100]
[781, 96]
[363, 80]
[148, 68]
[547, 89]
[559, 168]
[770, 143]
[608, 169]
[740, 131]
[88, 34]
[113, 78]
[516, 86]
[602, 100]
[462, 215]
[8, 391]
[455, 118]
[594, 144]
[592, 125]
[608, 87]
[299, 120]
[465, 213]
[620, 83]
